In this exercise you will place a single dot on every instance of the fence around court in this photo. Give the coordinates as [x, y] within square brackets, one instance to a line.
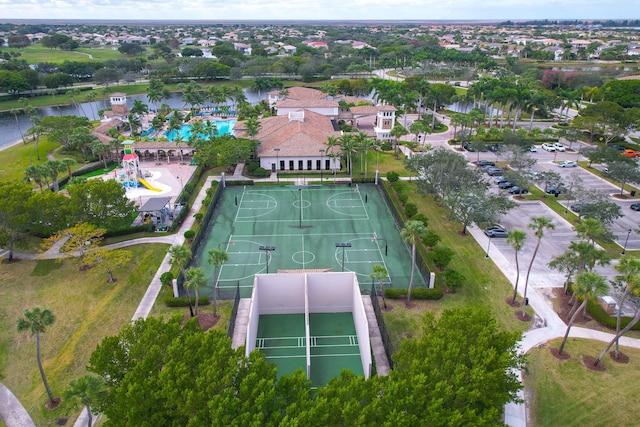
[224, 222]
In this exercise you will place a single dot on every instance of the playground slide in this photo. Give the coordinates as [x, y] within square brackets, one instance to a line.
[146, 184]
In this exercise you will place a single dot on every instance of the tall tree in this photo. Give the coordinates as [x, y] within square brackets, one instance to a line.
[15, 219]
[36, 321]
[108, 260]
[379, 273]
[589, 285]
[411, 232]
[217, 257]
[516, 239]
[539, 224]
[180, 256]
[195, 280]
[86, 391]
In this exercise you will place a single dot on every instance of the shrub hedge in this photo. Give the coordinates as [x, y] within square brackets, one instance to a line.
[171, 301]
[597, 312]
[416, 293]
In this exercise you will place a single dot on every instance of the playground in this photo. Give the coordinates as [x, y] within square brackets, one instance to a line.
[146, 179]
[303, 228]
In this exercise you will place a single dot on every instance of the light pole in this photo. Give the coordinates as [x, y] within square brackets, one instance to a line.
[277, 150]
[343, 246]
[624, 248]
[267, 250]
[321, 159]
[488, 247]
[386, 246]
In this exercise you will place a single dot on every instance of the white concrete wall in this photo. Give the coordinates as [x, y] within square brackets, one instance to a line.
[330, 292]
[362, 329]
[281, 293]
[254, 318]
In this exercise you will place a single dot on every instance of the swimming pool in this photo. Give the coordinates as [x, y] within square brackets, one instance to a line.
[225, 127]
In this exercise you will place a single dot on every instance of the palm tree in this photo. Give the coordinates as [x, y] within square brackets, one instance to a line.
[36, 321]
[217, 257]
[67, 162]
[37, 173]
[139, 108]
[349, 147]
[87, 391]
[539, 224]
[592, 229]
[196, 280]
[379, 273]
[180, 256]
[516, 239]
[54, 167]
[589, 285]
[396, 132]
[134, 123]
[15, 113]
[410, 234]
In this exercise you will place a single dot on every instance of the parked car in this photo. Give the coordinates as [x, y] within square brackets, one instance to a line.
[505, 184]
[487, 167]
[467, 146]
[496, 231]
[559, 147]
[533, 149]
[635, 207]
[518, 190]
[483, 162]
[499, 179]
[617, 147]
[631, 153]
[578, 207]
[494, 147]
[556, 189]
[548, 147]
[495, 172]
[567, 164]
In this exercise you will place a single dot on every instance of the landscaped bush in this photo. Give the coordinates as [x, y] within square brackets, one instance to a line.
[441, 256]
[189, 234]
[402, 197]
[597, 312]
[386, 146]
[129, 230]
[171, 301]
[417, 293]
[453, 279]
[166, 278]
[410, 209]
[398, 186]
[198, 217]
[260, 173]
[430, 238]
[422, 218]
[393, 177]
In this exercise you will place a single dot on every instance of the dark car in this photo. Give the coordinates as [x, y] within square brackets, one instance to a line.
[635, 207]
[518, 190]
[494, 147]
[467, 146]
[499, 179]
[481, 163]
[487, 167]
[505, 184]
[495, 172]
[496, 231]
[578, 207]
[556, 189]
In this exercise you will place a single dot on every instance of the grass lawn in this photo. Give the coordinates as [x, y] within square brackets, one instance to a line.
[485, 284]
[36, 53]
[14, 160]
[86, 308]
[566, 393]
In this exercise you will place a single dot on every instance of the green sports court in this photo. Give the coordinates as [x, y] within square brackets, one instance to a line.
[311, 228]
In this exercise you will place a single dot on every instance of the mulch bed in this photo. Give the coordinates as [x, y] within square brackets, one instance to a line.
[6, 261]
[520, 317]
[565, 308]
[55, 404]
[205, 320]
[563, 356]
[512, 304]
[588, 362]
[622, 358]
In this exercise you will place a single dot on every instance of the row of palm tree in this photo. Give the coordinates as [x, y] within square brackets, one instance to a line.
[351, 144]
[49, 172]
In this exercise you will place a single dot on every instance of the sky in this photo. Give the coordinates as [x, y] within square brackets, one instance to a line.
[212, 10]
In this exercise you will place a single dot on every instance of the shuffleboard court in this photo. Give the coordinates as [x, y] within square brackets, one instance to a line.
[322, 228]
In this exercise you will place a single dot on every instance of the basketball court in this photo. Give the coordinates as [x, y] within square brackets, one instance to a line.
[267, 229]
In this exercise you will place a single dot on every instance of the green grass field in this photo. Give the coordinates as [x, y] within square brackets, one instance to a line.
[566, 393]
[86, 309]
[36, 53]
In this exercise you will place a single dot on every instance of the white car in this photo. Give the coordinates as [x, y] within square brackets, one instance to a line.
[533, 149]
[567, 164]
[559, 147]
[548, 147]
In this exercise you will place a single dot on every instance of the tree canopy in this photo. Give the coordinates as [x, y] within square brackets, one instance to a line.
[460, 372]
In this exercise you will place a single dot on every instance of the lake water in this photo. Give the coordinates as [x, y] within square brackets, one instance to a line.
[10, 130]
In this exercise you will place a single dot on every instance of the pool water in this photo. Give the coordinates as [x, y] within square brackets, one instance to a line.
[225, 127]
